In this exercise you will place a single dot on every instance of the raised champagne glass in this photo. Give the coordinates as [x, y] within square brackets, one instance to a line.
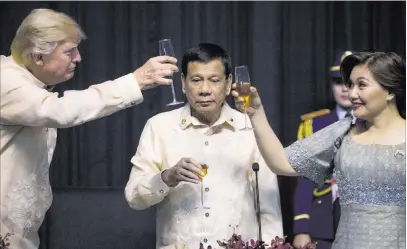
[243, 88]
[166, 48]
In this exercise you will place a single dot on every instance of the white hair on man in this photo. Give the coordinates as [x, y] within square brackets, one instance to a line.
[41, 31]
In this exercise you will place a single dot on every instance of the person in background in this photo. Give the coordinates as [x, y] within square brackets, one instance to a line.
[368, 155]
[317, 210]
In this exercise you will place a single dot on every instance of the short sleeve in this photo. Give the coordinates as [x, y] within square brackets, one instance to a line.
[312, 157]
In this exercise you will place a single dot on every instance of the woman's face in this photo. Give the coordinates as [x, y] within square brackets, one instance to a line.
[367, 96]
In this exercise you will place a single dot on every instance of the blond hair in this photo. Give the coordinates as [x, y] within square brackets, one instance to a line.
[41, 31]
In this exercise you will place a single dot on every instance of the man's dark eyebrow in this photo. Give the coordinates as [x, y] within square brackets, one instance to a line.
[210, 76]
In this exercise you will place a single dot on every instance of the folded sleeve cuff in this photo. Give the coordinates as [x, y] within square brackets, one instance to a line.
[129, 89]
[158, 185]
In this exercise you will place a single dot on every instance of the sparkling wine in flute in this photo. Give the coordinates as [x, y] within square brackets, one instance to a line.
[243, 88]
[204, 171]
[244, 92]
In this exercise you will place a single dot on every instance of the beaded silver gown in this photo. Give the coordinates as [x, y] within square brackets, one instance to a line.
[371, 184]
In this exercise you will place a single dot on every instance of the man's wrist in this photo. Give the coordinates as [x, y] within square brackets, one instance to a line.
[164, 177]
[137, 77]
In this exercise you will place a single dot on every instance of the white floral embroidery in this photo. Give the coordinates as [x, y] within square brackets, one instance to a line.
[28, 202]
[184, 204]
[30, 198]
[184, 210]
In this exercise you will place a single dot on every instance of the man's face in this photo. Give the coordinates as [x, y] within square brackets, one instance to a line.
[59, 66]
[206, 86]
[341, 93]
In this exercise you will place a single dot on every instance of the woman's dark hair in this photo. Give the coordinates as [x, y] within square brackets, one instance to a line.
[388, 69]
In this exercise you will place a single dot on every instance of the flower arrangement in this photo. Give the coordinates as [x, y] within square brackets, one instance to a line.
[236, 242]
[4, 242]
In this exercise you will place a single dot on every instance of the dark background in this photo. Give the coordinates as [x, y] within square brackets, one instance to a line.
[288, 46]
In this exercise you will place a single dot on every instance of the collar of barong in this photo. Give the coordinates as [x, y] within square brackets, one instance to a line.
[227, 118]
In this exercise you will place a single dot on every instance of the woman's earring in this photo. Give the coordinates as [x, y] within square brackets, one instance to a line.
[390, 97]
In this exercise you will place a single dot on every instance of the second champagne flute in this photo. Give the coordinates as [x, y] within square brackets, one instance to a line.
[204, 171]
[166, 48]
[243, 88]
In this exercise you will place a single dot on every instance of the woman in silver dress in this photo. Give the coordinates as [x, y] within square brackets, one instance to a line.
[368, 156]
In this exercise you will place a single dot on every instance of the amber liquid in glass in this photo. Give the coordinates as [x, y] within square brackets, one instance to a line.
[244, 92]
[204, 170]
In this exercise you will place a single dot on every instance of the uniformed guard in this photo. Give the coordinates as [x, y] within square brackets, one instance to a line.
[317, 210]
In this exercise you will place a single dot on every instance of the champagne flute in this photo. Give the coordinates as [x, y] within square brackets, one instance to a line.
[166, 48]
[204, 171]
[243, 88]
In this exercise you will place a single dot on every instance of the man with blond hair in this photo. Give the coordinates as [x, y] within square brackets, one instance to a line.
[44, 53]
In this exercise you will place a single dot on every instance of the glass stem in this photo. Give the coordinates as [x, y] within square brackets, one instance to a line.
[173, 91]
[202, 194]
[245, 118]
[202, 220]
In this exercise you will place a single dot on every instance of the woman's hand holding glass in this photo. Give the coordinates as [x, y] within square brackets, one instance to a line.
[254, 103]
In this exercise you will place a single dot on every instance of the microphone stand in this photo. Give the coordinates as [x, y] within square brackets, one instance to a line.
[256, 168]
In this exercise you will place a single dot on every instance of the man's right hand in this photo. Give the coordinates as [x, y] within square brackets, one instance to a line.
[185, 170]
[154, 71]
[301, 240]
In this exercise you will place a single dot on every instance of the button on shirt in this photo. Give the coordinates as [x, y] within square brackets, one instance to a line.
[228, 199]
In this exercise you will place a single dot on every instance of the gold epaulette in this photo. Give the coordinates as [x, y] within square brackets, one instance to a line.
[318, 193]
[312, 115]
